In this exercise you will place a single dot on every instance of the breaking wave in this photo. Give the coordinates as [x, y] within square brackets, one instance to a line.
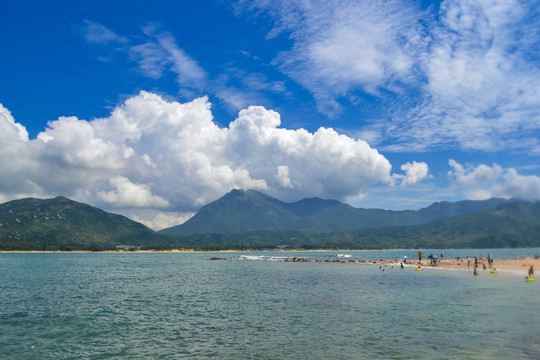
[262, 258]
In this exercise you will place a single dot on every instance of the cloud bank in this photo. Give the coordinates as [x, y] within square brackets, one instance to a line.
[168, 156]
[484, 182]
[159, 161]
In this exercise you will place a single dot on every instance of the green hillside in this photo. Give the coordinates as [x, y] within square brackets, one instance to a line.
[237, 211]
[63, 224]
[512, 224]
[245, 211]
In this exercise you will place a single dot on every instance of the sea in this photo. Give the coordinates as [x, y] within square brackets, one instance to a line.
[256, 305]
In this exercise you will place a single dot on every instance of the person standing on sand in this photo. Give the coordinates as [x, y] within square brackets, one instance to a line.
[420, 256]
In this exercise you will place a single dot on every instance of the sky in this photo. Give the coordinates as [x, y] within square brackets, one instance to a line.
[154, 109]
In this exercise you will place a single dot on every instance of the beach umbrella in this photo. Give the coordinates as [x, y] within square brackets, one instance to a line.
[404, 257]
[435, 257]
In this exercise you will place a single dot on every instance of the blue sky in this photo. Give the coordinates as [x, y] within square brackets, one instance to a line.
[153, 109]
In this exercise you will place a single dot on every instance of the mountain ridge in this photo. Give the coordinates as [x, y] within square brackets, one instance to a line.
[241, 211]
[63, 224]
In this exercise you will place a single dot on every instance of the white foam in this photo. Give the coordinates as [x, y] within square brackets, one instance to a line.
[261, 258]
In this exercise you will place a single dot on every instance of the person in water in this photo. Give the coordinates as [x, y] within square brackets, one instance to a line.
[531, 273]
[420, 256]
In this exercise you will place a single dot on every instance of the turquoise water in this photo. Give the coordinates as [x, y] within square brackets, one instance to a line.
[182, 305]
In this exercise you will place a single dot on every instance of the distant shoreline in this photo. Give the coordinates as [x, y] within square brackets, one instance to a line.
[518, 264]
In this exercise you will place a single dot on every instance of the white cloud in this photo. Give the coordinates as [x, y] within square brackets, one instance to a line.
[415, 172]
[75, 143]
[463, 78]
[188, 70]
[99, 34]
[483, 182]
[15, 157]
[152, 59]
[127, 194]
[341, 46]
[159, 54]
[479, 94]
[153, 153]
[282, 176]
[8, 126]
[162, 221]
[520, 186]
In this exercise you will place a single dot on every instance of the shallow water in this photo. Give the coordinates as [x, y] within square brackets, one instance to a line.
[178, 305]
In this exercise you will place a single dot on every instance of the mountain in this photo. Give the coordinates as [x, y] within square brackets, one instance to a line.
[63, 224]
[236, 211]
[511, 224]
[252, 220]
[243, 211]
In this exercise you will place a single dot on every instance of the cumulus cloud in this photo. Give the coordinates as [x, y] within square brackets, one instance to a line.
[415, 172]
[9, 127]
[172, 157]
[15, 156]
[283, 176]
[127, 194]
[162, 221]
[483, 182]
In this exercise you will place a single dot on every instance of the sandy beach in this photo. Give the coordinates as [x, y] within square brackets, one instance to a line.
[516, 266]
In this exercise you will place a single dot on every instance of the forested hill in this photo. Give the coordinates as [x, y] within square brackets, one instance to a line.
[243, 211]
[63, 224]
[511, 224]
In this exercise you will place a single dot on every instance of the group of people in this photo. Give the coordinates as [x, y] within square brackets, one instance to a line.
[433, 261]
[490, 264]
[432, 258]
